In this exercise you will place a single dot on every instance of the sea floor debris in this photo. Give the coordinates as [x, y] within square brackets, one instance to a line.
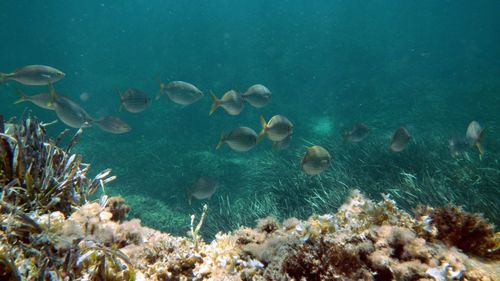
[77, 239]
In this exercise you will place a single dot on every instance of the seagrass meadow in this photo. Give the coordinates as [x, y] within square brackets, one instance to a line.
[122, 153]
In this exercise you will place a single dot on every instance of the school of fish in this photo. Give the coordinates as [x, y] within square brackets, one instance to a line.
[278, 129]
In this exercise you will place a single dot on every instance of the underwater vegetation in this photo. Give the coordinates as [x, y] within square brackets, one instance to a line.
[70, 237]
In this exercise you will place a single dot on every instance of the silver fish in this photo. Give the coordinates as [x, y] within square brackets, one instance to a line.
[257, 95]
[180, 92]
[316, 160]
[277, 129]
[474, 134]
[34, 75]
[232, 102]
[240, 139]
[203, 188]
[134, 100]
[43, 100]
[399, 139]
[113, 125]
[70, 113]
[357, 133]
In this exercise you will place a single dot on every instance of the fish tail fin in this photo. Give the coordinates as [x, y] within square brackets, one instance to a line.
[345, 135]
[480, 148]
[21, 95]
[215, 103]
[481, 135]
[121, 99]
[221, 141]
[3, 77]
[190, 197]
[478, 144]
[162, 89]
[262, 133]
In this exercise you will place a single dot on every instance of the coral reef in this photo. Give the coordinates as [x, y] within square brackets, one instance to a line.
[77, 239]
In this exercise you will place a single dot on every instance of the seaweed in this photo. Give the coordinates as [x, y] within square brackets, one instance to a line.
[39, 176]
[471, 233]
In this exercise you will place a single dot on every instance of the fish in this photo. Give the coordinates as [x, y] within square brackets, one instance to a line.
[71, 113]
[240, 139]
[357, 133]
[283, 144]
[257, 95]
[474, 134]
[277, 129]
[232, 102]
[399, 139]
[180, 92]
[134, 100]
[316, 160]
[457, 146]
[68, 111]
[33, 75]
[203, 188]
[43, 100]
[113, 125]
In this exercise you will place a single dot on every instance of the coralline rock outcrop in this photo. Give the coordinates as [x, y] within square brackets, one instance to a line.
[364, 240]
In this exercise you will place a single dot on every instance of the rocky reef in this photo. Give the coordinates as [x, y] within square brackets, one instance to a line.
[51, 230]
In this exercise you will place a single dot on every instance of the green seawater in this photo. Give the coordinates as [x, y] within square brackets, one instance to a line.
[431, 66]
